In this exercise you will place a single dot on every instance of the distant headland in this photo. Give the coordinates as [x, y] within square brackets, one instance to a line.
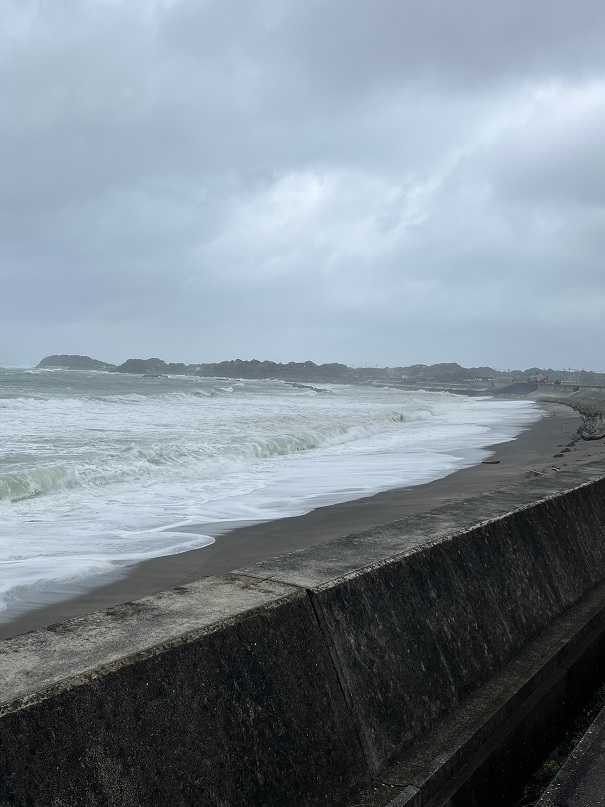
[444, 373]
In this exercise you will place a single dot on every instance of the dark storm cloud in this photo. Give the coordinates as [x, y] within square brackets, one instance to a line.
[380, 182]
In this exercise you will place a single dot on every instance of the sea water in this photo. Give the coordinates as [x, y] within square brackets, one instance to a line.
[101, 470]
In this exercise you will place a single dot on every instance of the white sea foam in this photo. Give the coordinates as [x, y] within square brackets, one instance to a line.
[100, 470]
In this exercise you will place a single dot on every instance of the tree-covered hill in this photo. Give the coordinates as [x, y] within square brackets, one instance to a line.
[71, 362]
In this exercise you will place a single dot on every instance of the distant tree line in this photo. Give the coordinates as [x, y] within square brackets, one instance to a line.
[448, 372]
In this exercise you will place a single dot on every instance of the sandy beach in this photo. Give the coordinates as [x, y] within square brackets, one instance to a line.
[532, 452]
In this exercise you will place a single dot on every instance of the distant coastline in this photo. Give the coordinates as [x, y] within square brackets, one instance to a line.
[476, 378]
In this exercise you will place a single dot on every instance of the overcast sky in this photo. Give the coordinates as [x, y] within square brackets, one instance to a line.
[384, 182]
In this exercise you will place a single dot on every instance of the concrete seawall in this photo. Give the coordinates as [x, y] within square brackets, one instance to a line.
[424, 662]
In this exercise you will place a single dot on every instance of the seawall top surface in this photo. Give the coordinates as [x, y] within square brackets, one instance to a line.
[42, 659]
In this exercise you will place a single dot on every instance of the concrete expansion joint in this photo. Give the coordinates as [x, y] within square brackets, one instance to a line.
[410, 796]
[259, 580]
[336, 665]
[248, 579]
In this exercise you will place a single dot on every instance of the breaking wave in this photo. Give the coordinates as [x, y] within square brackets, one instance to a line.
[99, 470]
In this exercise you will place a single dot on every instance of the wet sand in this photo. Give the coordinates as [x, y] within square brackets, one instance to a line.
[531, 452]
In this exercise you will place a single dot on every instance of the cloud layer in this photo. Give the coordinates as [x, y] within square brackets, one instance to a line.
[380, 183]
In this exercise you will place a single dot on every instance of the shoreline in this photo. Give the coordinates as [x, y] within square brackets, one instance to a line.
[531, 452]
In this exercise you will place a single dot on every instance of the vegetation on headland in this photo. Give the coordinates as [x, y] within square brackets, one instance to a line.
[444, 373]
[75, 363]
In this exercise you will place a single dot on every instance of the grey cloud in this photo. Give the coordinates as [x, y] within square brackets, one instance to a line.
[373, 182]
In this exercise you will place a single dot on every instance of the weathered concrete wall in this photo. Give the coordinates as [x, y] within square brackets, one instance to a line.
[299, 680]
[415, 636]
[246, 710]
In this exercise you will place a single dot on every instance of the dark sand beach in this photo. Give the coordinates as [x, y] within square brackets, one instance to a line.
[532, 452]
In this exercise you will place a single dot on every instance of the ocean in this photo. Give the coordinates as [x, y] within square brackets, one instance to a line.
[102, 470]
